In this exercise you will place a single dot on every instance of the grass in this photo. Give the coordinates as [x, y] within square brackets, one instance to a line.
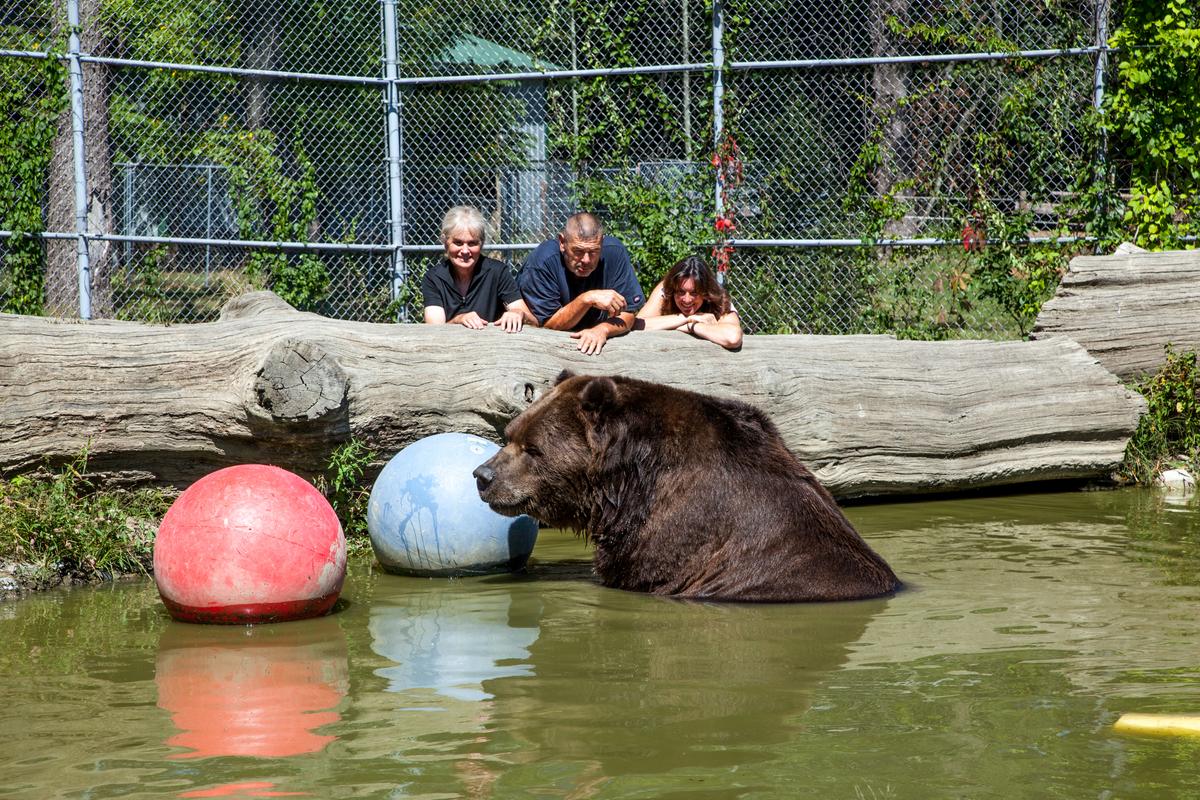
[61, 524]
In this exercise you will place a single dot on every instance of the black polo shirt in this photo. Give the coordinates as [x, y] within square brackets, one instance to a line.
[491, 289]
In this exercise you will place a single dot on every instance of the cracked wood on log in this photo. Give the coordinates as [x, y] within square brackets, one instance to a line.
[1127, 307]
[870, 414]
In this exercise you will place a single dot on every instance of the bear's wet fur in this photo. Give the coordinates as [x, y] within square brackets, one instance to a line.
[681, 494]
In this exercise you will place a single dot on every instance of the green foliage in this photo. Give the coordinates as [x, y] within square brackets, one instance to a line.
[32, 96]
[344, 486]
[1151, 112]
[659, 221]
[145, 284]
[1017, 275]
[916, 294]
[64, 524]
[1168, 434]
[756, 296]
[601, 121]
[270, 205]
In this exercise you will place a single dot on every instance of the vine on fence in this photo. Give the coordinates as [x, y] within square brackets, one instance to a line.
[1152, 114]
[32, 96]
[263, 193]
[727, 162]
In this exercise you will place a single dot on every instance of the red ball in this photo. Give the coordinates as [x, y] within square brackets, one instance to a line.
[251, 543]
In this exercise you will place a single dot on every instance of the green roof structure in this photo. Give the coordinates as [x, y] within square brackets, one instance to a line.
[471, 49]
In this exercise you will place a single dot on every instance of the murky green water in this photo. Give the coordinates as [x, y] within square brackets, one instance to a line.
[1032, 623]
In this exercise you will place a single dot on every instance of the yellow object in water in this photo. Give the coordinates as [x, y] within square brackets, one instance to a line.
[1161, 724]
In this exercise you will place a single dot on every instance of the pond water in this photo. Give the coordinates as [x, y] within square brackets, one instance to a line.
[1031, 623]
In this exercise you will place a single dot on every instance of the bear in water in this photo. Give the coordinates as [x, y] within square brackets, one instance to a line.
[681, 494]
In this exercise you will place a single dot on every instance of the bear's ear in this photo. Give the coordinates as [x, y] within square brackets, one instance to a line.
[562, 376]
[598, 399]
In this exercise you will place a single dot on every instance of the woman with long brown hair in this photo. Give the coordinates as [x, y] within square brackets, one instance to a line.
[690, 299]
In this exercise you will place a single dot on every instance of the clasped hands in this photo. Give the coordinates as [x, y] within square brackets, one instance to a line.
[509, 322]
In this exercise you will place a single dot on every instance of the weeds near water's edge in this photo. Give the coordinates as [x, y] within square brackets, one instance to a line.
[62, 524]
[342, 484]
[1168, 434]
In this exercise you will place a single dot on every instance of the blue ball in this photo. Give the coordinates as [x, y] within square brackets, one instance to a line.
[425, 516]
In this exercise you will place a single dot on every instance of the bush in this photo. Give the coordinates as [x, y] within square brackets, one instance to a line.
[1168, 434]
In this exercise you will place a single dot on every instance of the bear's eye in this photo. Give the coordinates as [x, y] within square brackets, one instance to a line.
[531, 450]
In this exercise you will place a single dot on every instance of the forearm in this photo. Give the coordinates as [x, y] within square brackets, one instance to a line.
[665, 322]
[618, 325]
[566, 317]
[726, 334]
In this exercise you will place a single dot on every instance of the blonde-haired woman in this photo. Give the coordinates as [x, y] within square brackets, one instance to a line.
[465, 288]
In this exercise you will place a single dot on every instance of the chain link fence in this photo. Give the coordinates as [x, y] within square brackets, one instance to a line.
[178, 154]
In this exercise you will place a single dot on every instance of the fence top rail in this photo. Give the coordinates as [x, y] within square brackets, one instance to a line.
[870, 61]
[24, 54]
[433, 80]
[514, 246]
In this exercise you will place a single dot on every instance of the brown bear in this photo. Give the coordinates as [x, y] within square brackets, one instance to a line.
[681, 494]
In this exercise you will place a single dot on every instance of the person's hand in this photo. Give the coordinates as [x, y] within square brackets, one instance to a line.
[472, 320]
[608, 300]
[695, 318]
[510, 321]
[591, 341]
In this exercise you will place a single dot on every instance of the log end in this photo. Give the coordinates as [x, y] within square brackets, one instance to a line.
[299, 382]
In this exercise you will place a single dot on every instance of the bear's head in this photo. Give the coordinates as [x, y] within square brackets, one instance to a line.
[548, 468]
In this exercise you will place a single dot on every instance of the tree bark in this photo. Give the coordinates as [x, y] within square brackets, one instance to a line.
[1127, 307]
[267, 384]
[889, 88]
[264, 22]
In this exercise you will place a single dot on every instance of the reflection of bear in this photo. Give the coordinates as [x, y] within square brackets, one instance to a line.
[692, 699]
[681, 494]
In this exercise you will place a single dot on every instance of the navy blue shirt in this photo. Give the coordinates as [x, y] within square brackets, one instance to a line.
[547, 286]
[490, 291]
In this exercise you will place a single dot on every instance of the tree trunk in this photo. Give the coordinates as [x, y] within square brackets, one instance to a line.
[889, 88]
[62, 276]
[263, 22]
[267, 384]
[1127, 307]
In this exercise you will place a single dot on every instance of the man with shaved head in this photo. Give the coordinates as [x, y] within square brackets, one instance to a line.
[582, 282]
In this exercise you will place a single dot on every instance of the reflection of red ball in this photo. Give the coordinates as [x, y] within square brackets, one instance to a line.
[250, 543]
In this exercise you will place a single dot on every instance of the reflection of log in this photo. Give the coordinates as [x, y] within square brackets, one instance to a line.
[268, 384]
[1125, 308]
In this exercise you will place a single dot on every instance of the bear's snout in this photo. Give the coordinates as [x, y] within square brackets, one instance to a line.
[484, 475]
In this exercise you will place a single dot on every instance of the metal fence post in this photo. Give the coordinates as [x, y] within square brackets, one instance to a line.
[83, 264]
[685, 57]
[208, 231]
[395, 154]
[718, 62]
[1102, 9]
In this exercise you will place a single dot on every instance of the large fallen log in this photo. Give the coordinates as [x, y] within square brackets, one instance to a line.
[1127, 307]
[268, 384]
